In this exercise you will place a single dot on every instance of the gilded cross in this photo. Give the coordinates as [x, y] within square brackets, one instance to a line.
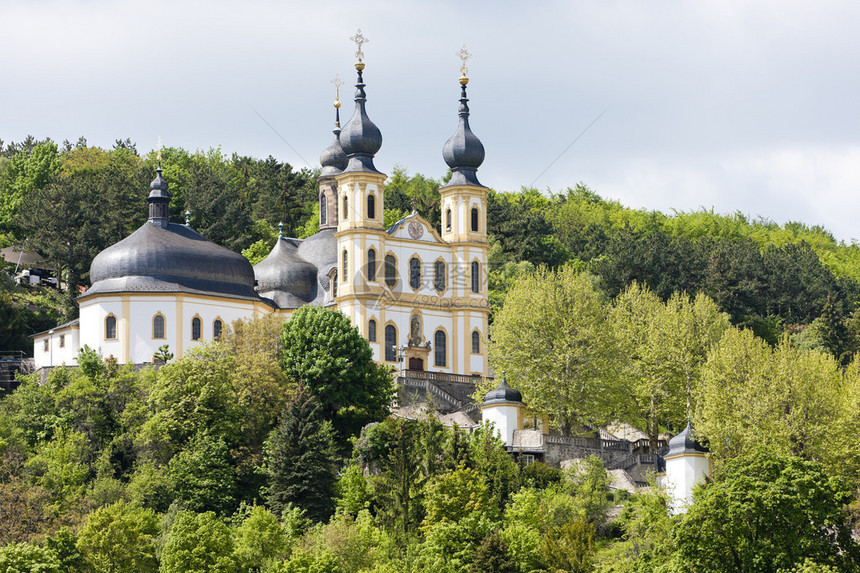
[159, 146]
[337, 82]
[464, 55]
[359, 39]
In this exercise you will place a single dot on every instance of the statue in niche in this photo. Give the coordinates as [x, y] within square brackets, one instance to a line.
[415, 331]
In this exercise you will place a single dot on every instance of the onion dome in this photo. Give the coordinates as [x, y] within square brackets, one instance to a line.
[502, 394]
[463, 152]
[159, 198]
[285, 278]
[360, 138]
[685, 443]
[333, 159]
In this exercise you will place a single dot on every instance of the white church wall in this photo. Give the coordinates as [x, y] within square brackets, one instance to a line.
[92, 320]
[504, 419]
[56, 348]
[683, 473]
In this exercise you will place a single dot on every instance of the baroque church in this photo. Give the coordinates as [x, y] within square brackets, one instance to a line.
[416, 293]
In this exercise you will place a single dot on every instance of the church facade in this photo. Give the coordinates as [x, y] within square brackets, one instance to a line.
[416, 293]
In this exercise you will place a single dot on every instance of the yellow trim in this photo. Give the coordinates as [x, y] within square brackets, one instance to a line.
[367, 262]
[472, 343]
[163, 326]
[455, 316]
[396, 270]
[367, 326]
[447, 282]
[115, 327]
[180, 326]
[376, 204]
[426, 301]
[344, 265]
[415, 255]
[125, 321]
[448, 363]
[385, 345]
[690, 455]
[217, 319]
[197, 316]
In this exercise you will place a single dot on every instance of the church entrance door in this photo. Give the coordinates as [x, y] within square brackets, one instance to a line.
[416, 363]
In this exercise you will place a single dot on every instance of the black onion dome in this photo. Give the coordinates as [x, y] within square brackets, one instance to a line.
[685, 443]
[284, 278]
[171, 258]
[502, 394]
[360, 138]
[463, 152]
[333, 159]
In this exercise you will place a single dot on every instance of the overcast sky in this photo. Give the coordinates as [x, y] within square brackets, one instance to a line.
[750, 106]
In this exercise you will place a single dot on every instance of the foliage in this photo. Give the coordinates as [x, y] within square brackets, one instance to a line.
[198, 543]
[259, 540]
[553, 344]
[732, 526]
[120, 537]
[204, 477]
[300, 460]
[27, 558]
[491, 556]
[569, 547]
[325, 353]
[788, 400]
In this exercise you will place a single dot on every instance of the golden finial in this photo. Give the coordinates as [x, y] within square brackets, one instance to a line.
[337, 82]
[359, 40]
[159, 147]
[464, 55]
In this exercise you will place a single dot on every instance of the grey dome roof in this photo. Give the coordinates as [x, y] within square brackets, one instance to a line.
[333, 159]
[320, 249]
[463, 152]
[285, 278]
[502, 394]
[360, 138]
[173, 258]
[685, 443]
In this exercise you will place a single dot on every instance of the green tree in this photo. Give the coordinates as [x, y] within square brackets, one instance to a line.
[766, 512]
[27, 558]
[120, 537]
[198, 543]
[204, 477]
[325, 353]
[553, 342]
[569, 547]
[491, 556]
[28, 171]
[259, 540]
[789, 400]
[300, 460]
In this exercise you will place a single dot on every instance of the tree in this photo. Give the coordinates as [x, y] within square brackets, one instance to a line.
[324, 352]
[259, 540]
[120, 537]
[300, 460]
[766, 512]
[204, 477]
[27, 558]
[665, 345]
[29, 170]
[553, 343]
[198, 543]
[491, 556]
[791, 401]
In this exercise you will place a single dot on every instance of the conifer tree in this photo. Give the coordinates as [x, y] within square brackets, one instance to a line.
[300, 460]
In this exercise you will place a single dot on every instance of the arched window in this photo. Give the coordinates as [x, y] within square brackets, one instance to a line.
[390, 270]
[323, 209]
[390, 343]
[345, 266]
[440, 354]
[196, 328]
[371, 265]
[476, 277]
[448, 220]
[476, 342]
[158, 327]
[334, 284]
[110, 327]
[371, 330]
[439, 276]
[345, 207]
[217, 326]
[475, 219]
[415, 273]
[371, 207]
